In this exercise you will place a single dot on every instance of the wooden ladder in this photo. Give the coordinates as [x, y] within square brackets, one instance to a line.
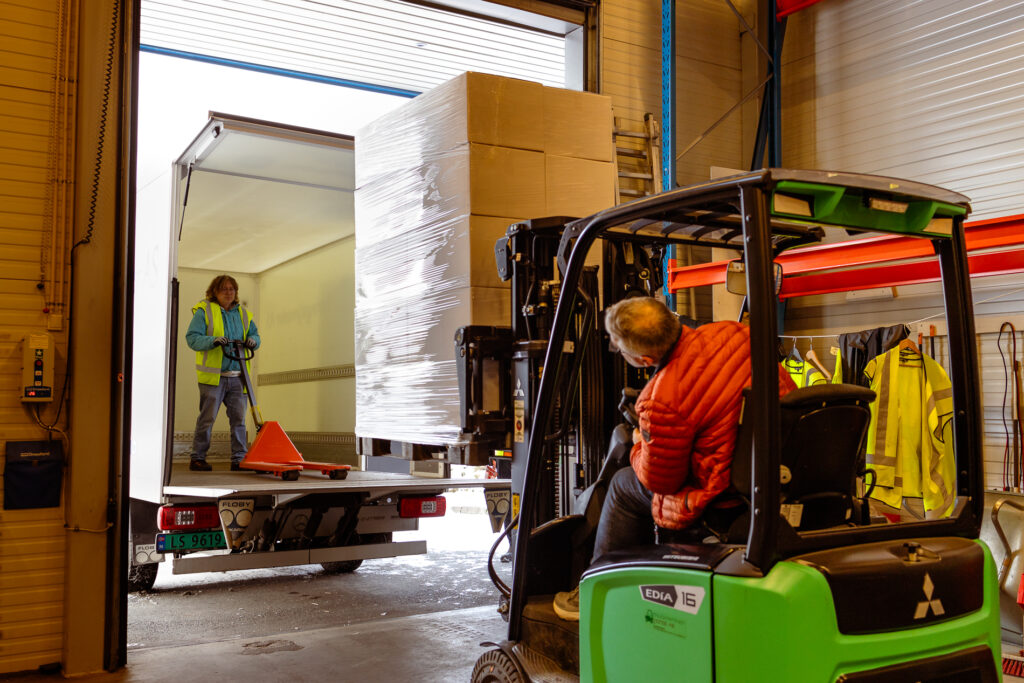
[637, 160]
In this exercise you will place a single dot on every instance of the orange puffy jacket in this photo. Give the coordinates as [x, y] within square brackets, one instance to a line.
[689, 416]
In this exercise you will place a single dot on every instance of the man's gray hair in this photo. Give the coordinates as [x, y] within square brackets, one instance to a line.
[643, 326]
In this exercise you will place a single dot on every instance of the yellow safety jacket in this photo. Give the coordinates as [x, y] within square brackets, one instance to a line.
[837, 376]
[803, 373]
[208, 363]
[910, 442]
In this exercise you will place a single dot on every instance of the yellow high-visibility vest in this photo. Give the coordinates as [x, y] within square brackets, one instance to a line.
[803, 373]
[910, 441]
[208, 362]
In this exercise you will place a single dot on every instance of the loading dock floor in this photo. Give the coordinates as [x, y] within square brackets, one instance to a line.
[438, 647]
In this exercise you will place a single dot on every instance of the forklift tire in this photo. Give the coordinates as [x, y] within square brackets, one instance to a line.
[496, 666]
[338, 474]
[290, 475]
[141, 577]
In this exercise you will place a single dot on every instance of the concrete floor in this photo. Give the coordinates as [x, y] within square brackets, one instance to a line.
[438, 647]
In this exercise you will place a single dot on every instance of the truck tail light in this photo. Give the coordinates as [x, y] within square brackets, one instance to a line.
[421, 506]
[175, 517]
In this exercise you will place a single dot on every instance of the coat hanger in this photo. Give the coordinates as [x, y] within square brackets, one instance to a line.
[813, 359]
[908, 345]
[794, 353]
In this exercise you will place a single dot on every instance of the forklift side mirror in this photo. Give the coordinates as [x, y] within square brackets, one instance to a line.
[502, 259]
[736, 278]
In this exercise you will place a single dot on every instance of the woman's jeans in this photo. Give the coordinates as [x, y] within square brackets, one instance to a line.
[229, 392]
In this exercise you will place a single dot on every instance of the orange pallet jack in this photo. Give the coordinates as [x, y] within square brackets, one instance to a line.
[272, 452]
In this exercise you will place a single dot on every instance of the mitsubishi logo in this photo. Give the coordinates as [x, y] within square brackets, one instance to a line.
[928, 603]
[519, 389]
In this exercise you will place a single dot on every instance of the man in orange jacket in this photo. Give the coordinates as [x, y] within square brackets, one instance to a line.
[688, 415]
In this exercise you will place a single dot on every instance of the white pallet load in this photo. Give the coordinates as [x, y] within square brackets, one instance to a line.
[438, 181]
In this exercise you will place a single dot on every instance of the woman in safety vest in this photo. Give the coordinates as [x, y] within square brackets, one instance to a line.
[217, 319]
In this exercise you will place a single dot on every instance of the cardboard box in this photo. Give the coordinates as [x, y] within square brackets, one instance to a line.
[473, 179]
[472, 107]
[578, 124]
[475, 254]
[578, 187]
[506, 182]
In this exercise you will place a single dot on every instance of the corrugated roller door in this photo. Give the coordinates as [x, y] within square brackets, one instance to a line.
[922, 90]
[32, 544]
[385, 43]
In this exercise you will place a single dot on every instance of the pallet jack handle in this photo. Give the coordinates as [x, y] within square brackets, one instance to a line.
[236, 350]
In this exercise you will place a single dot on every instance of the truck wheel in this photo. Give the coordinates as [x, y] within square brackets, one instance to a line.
[343, 567]
[349, 566]
[290, 475]
[338, 474]
[496, 666]
[141, 577]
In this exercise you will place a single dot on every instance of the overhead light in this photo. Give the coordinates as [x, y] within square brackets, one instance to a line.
[794, 206]
[207, 144]
[887, 205]
[940, 225]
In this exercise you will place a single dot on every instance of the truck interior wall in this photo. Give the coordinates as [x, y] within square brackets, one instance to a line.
[306, 321]
[192, 289]
[167, 123]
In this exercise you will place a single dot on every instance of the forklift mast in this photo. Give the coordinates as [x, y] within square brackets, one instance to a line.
[500, 369]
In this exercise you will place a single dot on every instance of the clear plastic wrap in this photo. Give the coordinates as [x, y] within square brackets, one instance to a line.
[438, 181]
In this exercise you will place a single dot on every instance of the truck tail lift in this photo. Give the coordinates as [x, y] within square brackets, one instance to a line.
[272, 452]
[831, 594]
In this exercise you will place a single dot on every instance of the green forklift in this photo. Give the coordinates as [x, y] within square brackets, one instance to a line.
[830, 593]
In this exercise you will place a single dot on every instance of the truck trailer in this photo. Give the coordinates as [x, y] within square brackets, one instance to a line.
[271, 205]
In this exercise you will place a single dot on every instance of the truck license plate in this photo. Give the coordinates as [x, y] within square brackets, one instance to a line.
[190, 540]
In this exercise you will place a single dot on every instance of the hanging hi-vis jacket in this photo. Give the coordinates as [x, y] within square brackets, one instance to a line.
[910, 443]
[803, 373]
[210, 321]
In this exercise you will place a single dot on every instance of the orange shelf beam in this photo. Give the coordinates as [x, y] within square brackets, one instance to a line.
[985, 234]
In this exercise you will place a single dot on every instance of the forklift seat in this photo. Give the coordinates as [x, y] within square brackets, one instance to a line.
[824, 429]
[824, 432]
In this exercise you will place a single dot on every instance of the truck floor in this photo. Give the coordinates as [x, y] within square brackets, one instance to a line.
[222, 481]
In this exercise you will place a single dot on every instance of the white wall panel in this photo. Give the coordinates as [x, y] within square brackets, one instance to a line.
[922, 90]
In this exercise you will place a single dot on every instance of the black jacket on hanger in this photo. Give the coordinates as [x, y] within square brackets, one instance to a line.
[857, 348]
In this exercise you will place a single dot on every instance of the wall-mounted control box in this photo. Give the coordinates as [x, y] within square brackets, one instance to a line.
[37, 368]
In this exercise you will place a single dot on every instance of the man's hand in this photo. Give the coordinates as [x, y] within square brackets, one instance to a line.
[636, 435]
[251, 343]
[220, 341]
